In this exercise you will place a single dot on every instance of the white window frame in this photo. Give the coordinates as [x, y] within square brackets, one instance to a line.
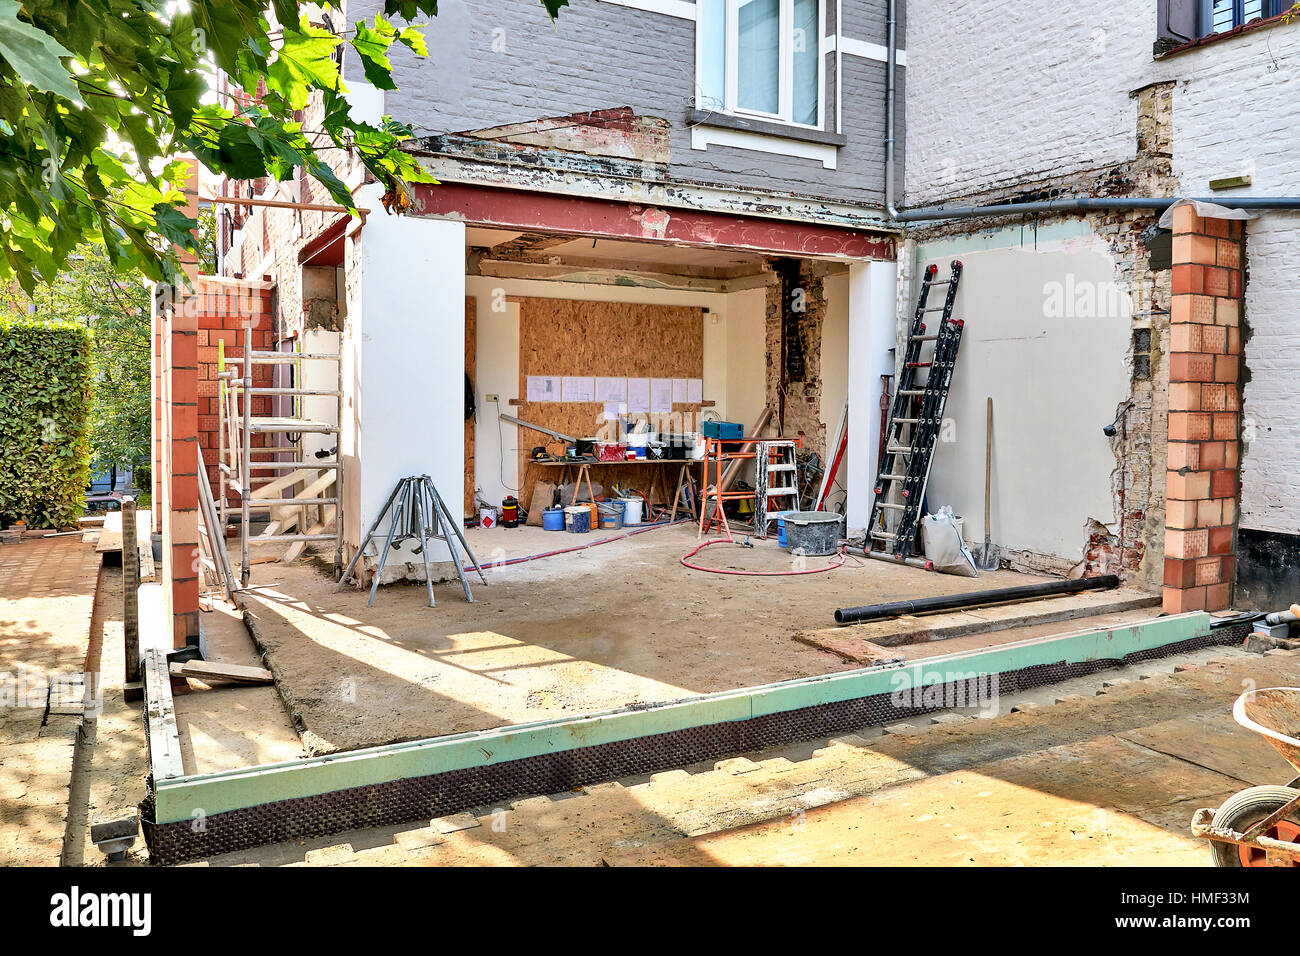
[731, 72]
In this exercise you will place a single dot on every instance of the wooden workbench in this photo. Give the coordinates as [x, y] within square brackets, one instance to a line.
[584, 466]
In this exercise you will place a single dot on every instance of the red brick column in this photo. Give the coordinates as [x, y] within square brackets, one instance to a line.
[1204, 413]
[180, 476]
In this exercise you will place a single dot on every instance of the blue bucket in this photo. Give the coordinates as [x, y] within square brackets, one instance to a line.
[780, 527]
[553, 519]
[577, 520]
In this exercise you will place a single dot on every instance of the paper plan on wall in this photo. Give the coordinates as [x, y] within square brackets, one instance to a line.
[614, 409]
[661, 395]
[543, 388]
[695, 390]
[679, 390]
[638, 395]
[611, 389]
[578, 389]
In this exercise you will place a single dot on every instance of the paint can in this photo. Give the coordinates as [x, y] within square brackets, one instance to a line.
[577, 519]
[631, 510]
[487, 517]
[610, 515]
[553, 519]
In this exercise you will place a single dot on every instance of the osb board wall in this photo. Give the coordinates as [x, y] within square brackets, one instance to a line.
[604, 339]
[471, 324]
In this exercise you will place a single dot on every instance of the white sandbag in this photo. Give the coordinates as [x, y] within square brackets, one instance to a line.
[944, 547]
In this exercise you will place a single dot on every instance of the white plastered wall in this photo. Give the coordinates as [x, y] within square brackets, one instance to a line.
[1054, 365]
[403, 367]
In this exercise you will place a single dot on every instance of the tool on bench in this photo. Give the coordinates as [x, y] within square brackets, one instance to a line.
[914, 423]
[558, 436]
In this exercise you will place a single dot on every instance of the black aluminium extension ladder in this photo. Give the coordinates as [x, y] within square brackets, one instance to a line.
[915, 420]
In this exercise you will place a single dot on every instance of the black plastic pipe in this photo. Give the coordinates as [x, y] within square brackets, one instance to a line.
[948, 602]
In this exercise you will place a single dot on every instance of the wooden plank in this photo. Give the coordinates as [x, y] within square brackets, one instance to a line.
[208, 671]
[164, 736]
[269, 489]
[295, 549]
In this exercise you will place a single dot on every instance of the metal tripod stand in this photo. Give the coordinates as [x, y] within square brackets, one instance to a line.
[418, 512]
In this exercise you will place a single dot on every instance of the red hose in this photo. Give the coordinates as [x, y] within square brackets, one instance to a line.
[699, 567]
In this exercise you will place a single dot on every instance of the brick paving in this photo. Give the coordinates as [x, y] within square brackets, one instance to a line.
[47, 591]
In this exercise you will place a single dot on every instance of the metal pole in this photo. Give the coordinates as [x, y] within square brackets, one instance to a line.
[874, 612]
[421, 512]
[392, 530]
[246, 442]
[450, 522]
[369, 534]
[130, 591]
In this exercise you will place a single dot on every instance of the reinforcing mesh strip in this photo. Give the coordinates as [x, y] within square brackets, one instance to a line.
[436, 795]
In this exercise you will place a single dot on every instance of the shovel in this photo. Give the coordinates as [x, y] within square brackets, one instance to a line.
[987, 558]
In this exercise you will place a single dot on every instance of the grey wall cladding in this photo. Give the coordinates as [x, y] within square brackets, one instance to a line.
[494, 62]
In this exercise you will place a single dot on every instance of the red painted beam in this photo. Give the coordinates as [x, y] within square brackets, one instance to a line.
[581, 216]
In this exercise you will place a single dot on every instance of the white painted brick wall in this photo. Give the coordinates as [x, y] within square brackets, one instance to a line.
[1237, 109]
[1003, 93]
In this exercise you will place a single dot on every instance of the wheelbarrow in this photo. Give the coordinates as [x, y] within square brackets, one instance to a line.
[1260, 826]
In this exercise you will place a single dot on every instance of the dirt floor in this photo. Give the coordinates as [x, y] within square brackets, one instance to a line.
[1102, 770]
[604, 627]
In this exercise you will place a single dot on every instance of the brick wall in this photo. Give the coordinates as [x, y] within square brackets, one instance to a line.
[176, 462]
[221, 308]
[1204, 413]
[796, 311]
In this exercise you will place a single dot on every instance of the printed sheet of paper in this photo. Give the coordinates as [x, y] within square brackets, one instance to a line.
[661, 395]
[695, 390]
[543, 388]
[611, 389]
[679, 391]
[638, 395]
[578, 389]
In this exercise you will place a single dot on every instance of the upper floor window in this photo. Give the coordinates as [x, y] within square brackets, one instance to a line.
[1220, 16]
[761, 58]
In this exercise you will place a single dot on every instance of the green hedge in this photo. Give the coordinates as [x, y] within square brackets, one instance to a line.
[46, 387]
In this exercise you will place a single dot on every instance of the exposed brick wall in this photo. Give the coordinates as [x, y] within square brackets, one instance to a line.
[1204, 413]
[221, 308]
[796, 311]
[176, 463]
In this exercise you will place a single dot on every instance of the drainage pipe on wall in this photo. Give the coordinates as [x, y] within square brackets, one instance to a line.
[948, 602]
[1064, 204]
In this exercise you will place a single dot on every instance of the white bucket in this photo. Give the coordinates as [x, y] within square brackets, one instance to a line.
[487, 517]
[631, 511]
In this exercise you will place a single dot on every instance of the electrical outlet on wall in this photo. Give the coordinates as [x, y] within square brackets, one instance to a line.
[491, 398]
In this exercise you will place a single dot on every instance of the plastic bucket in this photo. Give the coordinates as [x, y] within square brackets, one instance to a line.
[631, 510]
[780, 526]
[577, 519]
[553, 519]
[812, 532]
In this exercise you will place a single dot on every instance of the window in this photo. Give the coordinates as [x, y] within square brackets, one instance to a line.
[1220, 16]
[761, 58]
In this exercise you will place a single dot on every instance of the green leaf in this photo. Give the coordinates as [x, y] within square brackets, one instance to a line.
[34, 54]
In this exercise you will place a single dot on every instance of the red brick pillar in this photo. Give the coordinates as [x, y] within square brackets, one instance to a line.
[180, 477]
[1204, 413]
